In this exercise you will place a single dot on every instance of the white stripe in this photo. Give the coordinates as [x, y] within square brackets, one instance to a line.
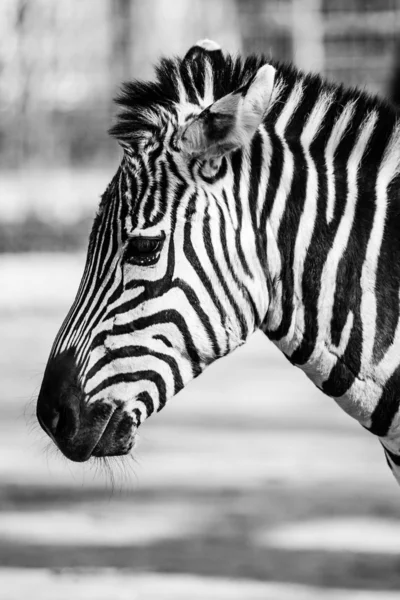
[390, 168]
[91, 294]
[266, 155]
[183, 99]
[307, 223]
[208, 97]
[335, 138]
[128, 366]
[274, 258]
[360, 400]
[329, 273]
[287, 171]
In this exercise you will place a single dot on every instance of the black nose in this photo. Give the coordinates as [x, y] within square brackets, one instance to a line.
[60, 397]
[61, 411]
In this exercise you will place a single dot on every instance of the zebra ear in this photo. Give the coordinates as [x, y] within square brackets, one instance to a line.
[232, 121]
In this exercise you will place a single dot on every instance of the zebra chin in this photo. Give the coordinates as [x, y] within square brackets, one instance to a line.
[81, 429]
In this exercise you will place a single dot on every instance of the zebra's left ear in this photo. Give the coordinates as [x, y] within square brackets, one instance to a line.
[231, 122]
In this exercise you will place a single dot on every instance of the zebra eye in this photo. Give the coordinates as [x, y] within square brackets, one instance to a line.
[143, 250]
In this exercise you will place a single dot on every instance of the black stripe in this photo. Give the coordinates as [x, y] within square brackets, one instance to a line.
[387, 406]
[237, 163]
[206, 282]
[135, 351]
[218, 273]
[128, 377]
[240, 284]
[161, 317]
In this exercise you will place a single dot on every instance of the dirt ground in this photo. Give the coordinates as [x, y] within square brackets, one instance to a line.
[250, 477]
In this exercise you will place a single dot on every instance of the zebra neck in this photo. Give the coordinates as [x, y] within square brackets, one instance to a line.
[327, 151]
[298, 140]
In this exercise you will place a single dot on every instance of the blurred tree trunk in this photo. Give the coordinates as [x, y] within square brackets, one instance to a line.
[24, 83]
[121, 31]
[308, 35]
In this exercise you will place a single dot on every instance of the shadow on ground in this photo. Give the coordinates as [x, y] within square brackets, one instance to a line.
[227, 546]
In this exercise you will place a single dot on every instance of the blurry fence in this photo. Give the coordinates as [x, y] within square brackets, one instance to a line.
[61, 64]
[352, 41]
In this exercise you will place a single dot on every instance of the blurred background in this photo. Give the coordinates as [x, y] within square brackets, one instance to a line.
[251, 484]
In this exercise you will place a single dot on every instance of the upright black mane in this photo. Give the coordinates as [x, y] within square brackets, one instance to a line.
[139, 98]
[142, 101]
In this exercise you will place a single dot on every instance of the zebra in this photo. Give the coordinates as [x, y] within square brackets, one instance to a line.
[250, 195]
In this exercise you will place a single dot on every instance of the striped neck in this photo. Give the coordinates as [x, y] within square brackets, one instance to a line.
[324, 147]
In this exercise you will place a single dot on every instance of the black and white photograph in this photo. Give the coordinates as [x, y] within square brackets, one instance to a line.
[200, 299]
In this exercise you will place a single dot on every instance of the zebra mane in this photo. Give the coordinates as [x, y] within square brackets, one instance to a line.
[145, 105]
[143, 102]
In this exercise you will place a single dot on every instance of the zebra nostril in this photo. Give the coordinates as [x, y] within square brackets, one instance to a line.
[59, 424]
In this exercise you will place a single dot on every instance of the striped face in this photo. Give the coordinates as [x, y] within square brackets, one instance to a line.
[167, 289]
[174, 277]
[174, 302]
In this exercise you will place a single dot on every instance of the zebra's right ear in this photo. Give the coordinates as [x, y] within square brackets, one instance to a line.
[230, 122]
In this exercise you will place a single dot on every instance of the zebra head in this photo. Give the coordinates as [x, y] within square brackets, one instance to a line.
[174, 277]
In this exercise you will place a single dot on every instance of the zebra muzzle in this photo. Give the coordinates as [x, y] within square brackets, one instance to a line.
[79, 428]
